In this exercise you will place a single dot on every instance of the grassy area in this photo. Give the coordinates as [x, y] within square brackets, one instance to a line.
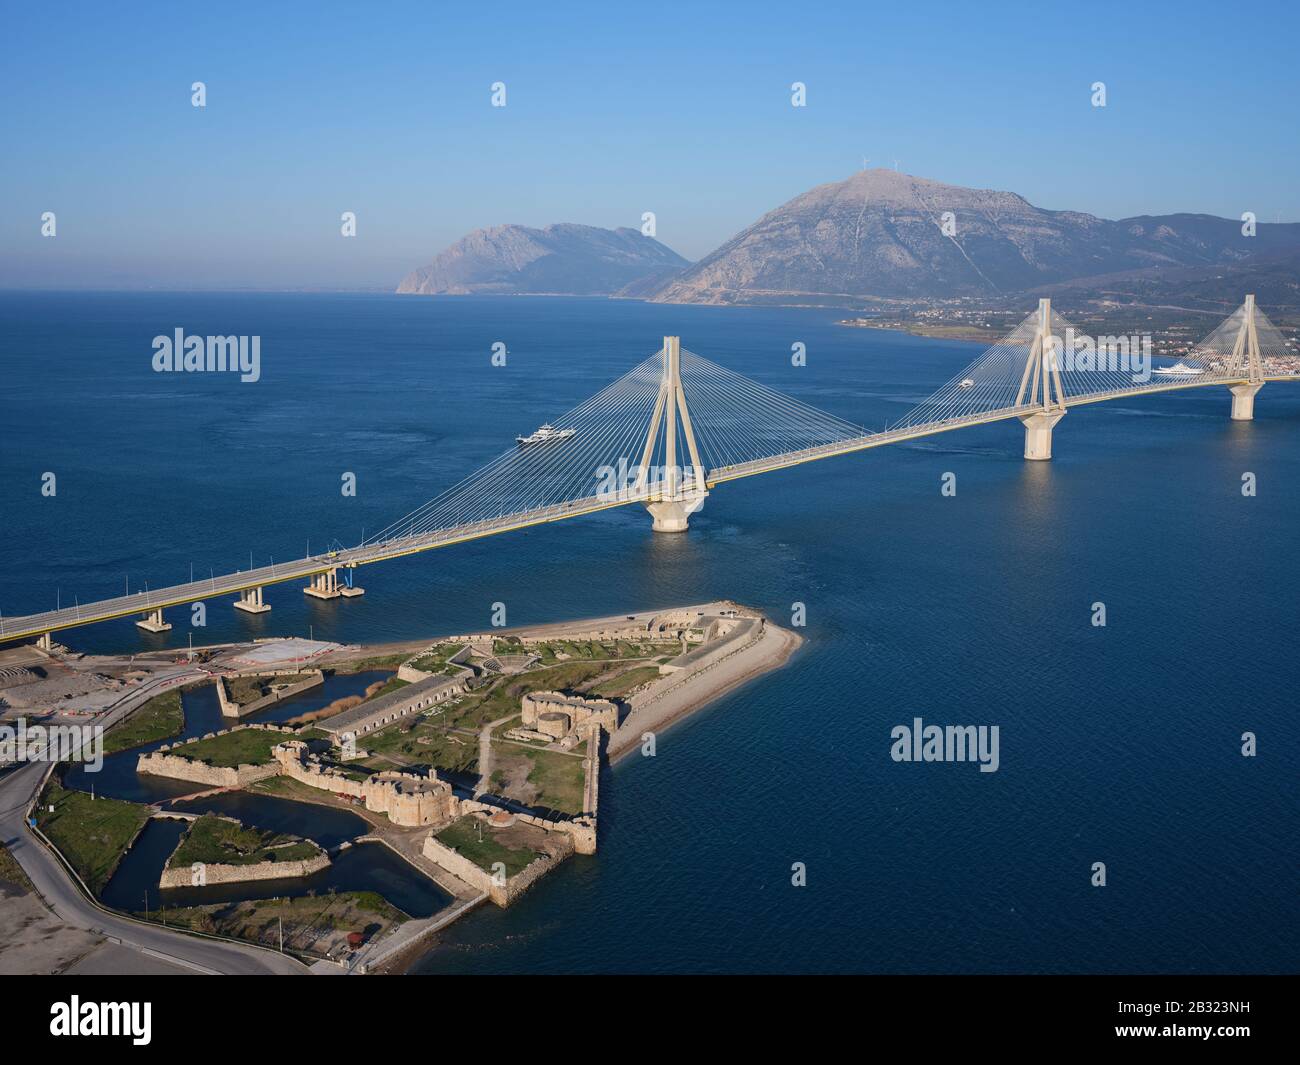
[463, 837]
[435, 659]
[245, 747]
[425, 744]
[612, 687]
[361, 665]
[160, 718]
[541, 778]
[92, 834]
[594, 650]
[11, 872]
[213, 840]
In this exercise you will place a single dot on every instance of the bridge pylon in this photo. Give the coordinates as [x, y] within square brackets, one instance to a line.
[1245, 356]
[1040, 386]
[675, 492]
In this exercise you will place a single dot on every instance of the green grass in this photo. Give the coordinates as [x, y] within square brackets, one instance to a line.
[612, 687]
[463, 837]
[558, 778]
[426, 745]
[435, 659]
[92, 834]
[361, 665]
[213, 840]
[160, 718]
[245, 747]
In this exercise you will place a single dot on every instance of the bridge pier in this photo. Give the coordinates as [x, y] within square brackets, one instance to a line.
[250, 601]
[1038, 433]
[673, 515]
[1243, 401]
[153, 622]
[324, 585]
[46, 642]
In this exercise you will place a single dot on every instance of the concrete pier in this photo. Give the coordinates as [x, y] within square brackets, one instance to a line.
[673, 515]
[1038, 433]
[1243, 401]
[324, 585]
[250, 601]
[153, 622]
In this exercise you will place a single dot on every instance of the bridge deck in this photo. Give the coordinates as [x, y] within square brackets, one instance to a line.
[234, 583]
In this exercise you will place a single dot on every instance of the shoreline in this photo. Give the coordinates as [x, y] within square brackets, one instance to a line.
[771, 651]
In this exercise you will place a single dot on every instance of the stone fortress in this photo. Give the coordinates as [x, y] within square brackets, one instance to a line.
[570, 719]
[709, 641]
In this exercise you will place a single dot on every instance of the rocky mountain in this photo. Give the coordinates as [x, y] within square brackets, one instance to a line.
[882, 234]
[560, 259]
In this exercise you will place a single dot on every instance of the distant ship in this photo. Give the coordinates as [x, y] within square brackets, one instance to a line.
[543, 435]
[1178, 369]
[967, 383]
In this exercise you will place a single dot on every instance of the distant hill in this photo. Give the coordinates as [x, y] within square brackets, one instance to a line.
[879, 234]
[564, 259]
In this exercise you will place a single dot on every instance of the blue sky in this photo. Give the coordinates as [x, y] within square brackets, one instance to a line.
[613, 110]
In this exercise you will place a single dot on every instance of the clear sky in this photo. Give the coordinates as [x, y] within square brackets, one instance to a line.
[612, 110]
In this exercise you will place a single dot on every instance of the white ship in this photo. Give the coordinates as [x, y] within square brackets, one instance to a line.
[544, 434]
[966, 383]
[1178, 369]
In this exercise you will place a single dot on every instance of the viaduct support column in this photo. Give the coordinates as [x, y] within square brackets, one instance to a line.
[324, 585]
[153, 622]
[1243, 401]
[46, 642]
[250, 601]
[1038, 434]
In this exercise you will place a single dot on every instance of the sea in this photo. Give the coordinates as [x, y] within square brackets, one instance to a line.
[772, 831]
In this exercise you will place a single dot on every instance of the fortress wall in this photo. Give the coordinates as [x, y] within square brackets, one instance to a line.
[231, 709]
[238, 874]
[502, 894]
[159, 764]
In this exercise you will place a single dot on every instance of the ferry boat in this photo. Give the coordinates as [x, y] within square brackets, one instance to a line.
[1178, 369]
[544, 434]
[967, 383]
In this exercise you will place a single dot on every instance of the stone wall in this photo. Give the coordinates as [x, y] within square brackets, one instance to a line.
[232, 709]
[502, 894]
[160, 764]
[238, 874]
[404, 798]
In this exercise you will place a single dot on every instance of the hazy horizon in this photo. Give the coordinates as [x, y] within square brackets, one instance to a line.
[311, 112]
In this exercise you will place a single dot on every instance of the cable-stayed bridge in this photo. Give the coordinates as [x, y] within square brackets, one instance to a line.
[677, 425]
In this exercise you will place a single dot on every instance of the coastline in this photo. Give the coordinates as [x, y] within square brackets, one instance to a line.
[773, 650]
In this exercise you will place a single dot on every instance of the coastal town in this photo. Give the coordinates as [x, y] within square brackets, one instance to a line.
[238, 797]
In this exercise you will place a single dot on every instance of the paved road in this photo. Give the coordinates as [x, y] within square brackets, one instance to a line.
[64, 897]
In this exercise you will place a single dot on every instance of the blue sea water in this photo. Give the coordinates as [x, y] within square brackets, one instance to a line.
[1118, 744]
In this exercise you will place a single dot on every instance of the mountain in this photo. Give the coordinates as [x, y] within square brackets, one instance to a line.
[880, 234]
[560, 259]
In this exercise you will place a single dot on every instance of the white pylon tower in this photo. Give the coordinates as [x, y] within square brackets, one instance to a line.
[675, 493]
[1245, 356]
[1040, 386]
